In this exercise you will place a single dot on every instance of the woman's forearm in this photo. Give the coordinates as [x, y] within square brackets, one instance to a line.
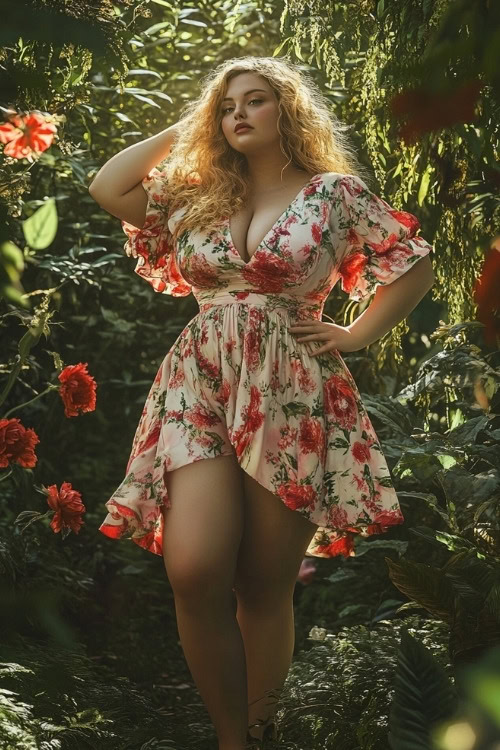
[127, 168]
[393, 303]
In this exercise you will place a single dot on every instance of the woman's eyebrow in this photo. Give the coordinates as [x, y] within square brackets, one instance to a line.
[226, 98]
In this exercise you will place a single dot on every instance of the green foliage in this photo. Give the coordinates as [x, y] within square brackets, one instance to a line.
[54, 699]
[122, 72]
[423, 696]
[437, 64]
[340, 688]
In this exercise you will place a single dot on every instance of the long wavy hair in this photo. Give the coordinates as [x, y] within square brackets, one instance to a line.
[207, 176]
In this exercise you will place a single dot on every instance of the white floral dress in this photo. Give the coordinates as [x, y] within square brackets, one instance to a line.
[237, 382]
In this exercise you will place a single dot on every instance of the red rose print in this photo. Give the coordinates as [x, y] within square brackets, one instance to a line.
[337, 517]
[224, 393]
[317, 232]
[339, 401]
[267, 272]
[252, 420]
[351, 268]
[361, 452]
[176, 379]
[200, 273]
[209, 368]
[343, 546]
[151, 438]
[312, 437]
[201, 417]
[288, 437]
[296, 495]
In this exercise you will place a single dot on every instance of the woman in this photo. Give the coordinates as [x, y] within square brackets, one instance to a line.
[259, 222]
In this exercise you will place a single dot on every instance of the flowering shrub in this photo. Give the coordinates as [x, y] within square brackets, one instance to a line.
[17, 443]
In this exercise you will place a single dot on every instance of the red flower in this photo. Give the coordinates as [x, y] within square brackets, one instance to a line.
[267, 272]
[27, 134]
[77, 390]
[17, 444]
[351, 268]
[339, 401]
[297, 496]
[200, 416]
[343, 546]
[425, 111]
[312, 437]
[68, 507]
[361, 452]
[486, 295]
[200, 273]
[252, 419]
[317, 232]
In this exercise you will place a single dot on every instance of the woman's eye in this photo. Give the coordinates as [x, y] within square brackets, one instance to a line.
[252, 100]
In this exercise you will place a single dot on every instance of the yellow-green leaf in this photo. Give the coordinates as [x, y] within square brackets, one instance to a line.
[41, 228]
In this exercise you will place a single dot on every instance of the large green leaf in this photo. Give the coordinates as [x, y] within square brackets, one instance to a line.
[423, 697]
[425, 585]
[41, 227]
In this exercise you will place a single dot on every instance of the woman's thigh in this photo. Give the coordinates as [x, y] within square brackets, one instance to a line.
[274, 542]
[203, 526]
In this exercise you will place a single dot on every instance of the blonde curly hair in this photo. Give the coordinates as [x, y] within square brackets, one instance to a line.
[207, 176]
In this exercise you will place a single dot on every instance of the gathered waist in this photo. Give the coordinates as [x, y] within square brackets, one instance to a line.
[299, 308]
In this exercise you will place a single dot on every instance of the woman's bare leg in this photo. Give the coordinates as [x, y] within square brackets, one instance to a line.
[202, 533]
[273, 546]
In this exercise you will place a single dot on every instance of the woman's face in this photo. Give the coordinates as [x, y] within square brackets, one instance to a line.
[259, 109]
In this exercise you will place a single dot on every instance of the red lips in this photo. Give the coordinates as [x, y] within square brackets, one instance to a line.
[241, 125]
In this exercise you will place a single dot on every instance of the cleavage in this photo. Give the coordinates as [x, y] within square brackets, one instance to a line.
[251, 225]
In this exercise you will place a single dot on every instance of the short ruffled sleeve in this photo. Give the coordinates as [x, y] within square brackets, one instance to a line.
[153, 245]
[380, 241]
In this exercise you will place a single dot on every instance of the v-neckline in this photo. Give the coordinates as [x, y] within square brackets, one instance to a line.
[227, 225]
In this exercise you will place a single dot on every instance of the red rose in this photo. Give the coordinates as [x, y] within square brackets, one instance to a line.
[17, 444]
[77, 390]
[68, 507]
[361, 452]
[351, 268]
[339, 401]
[267, 272]
[312, 437]
[343, 546]
[297, 495]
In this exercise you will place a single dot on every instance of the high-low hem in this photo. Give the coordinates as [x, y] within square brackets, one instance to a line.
[326, 542]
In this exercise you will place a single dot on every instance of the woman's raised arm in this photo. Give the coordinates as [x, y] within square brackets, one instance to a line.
[117, 186]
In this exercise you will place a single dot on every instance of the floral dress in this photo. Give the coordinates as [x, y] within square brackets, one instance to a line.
[237, 382]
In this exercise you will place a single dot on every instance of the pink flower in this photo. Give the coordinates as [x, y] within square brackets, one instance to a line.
[307, 571]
